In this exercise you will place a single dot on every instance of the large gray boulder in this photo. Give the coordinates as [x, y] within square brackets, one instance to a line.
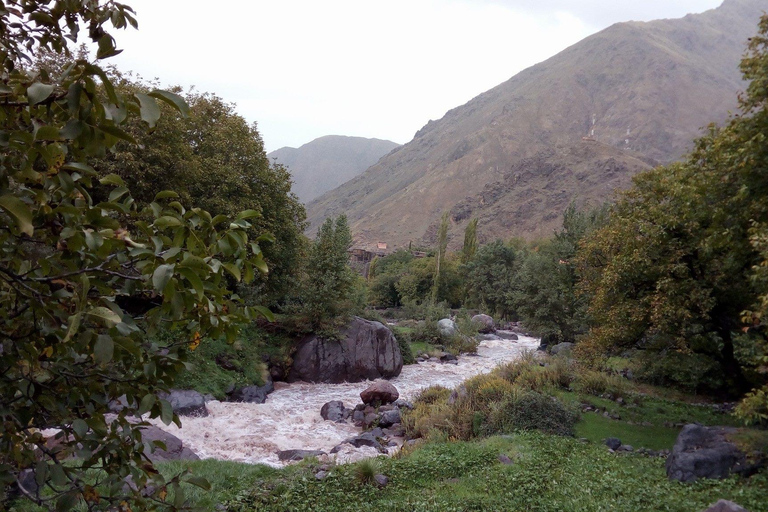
[335, 411]
[725, 506]
[564, 348]
[295, 455]
[484, 323]
[187, 402]
[366, 351]
[253, 394]
[704, 452]
[174, 448]
[447, 327]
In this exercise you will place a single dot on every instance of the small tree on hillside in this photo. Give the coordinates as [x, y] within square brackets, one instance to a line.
[470, 241]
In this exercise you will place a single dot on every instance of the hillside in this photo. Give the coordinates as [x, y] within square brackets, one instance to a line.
[327, 162]
[514, 155]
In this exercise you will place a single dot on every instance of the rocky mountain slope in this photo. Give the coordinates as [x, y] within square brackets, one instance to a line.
[515, 156]
[327, 162]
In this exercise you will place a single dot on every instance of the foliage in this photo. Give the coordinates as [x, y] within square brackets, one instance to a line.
[491, 278]
[546, 298]
[366, 470]
[383, 276]
[328, 280]
[470, 241]
[598, 383]
[217, 162]
[404, 341]
[549, 473]
[442, 245]
[83, 282]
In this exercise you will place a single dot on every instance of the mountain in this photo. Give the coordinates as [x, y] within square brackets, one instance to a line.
[327, 162]
[516, 155]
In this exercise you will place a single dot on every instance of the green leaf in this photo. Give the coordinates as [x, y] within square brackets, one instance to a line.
[199, 482]
[38, 92]
[266, 237]
[112, 179]
[232, 269]
[104, 349]
[166, 412]
[117, 193]
[117, 133]
[166, 221]
[80, 427]
[197, 283]
[58, 476]
[260, 264]
[162, 276]
[67, 501]
[150, 112]
[104, 316]
[266, 313]
[173, 100]
[19, 211]
[146, 403]
[47, 133]
[84, 168]
[166, 194]
[73, 324]
[247, 214]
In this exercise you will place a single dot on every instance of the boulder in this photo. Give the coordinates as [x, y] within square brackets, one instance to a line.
[380, 480]
[187, 402]
[294, 455]
[389, 418]
[174, 448]
[613, 443]
[485, 324]
[252, 394]
[334, 411]
[725, 506]
[562, 348]
[704, 452]
[381, 392]
[447, 327]
[366, 350]
[508, 336]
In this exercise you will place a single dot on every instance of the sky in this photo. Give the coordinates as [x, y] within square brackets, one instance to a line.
[302, 69]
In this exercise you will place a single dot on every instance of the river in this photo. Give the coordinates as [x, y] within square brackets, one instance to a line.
[290, 418]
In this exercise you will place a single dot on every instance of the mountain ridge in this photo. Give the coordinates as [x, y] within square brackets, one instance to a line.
[329, 161]
[645, 88]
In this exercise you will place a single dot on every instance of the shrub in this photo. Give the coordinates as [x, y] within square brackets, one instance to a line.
[366, 470]
[404, 341]
[432, 395]
[531, 411]
[690, 372]
[598, 383]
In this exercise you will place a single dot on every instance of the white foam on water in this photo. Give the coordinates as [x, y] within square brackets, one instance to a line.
[290, 418]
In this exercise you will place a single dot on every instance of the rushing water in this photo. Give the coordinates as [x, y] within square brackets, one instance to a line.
[290, 418]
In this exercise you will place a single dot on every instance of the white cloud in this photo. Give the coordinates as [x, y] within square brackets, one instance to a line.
[303, 69]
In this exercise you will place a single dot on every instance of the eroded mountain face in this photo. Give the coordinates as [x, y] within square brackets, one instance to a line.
[576, 128]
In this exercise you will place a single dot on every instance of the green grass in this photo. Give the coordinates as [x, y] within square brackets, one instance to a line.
[549, 473]
[595, 427]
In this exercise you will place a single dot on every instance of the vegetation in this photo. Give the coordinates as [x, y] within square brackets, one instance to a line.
[85, 281]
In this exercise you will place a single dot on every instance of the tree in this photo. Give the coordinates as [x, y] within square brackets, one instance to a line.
[442, 245]
[673, 268]
[83, 283]
[217, 162]
[470, 241]
[547, 298]
[491, 278]
[328, 279]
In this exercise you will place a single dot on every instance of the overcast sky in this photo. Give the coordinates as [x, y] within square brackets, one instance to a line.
[306, 68]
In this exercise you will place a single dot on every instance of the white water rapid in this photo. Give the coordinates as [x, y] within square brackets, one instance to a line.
[290, 418]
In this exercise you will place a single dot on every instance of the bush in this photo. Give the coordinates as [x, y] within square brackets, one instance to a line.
[531, 411]
[404, 341]
[690, 372]
[598, 383]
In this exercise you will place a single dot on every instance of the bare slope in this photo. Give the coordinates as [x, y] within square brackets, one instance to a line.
[514, 156]
[327, 162]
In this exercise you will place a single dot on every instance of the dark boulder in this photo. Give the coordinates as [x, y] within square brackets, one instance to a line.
[186, 402]
[252, 394]
[366, 350]
[704, 452]
[484, 323]
[564, 348]
[378, 393]
[334, 411]
[613, 443]
[725, 506]
[174, 448]
[295, 455]
[389, 418]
